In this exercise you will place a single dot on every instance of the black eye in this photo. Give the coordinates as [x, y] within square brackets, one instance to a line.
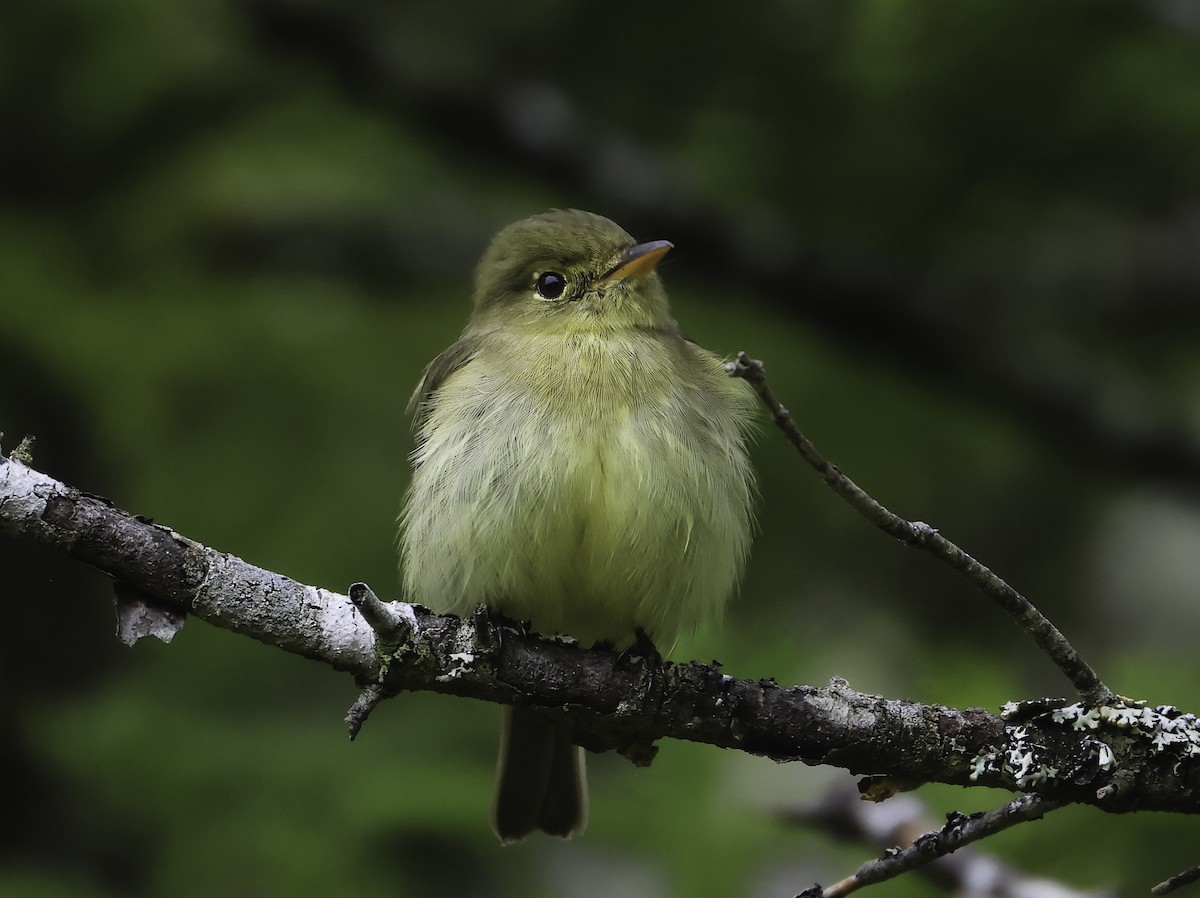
[550, 285]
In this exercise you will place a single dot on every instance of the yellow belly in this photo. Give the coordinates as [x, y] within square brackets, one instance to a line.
[613, 507]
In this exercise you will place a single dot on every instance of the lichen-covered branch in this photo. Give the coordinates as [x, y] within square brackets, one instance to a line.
[1119, 759]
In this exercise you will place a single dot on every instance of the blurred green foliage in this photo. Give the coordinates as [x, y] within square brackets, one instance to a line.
[233, 231]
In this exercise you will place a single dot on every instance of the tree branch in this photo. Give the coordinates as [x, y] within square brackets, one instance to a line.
[1118, 759]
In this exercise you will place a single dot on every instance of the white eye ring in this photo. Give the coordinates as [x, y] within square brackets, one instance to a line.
[550, 285]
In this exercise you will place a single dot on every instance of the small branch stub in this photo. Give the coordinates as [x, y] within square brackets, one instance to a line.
[389, 625]
[392, 629]
[371, 696]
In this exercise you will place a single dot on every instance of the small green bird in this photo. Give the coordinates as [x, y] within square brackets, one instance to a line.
[579, 465]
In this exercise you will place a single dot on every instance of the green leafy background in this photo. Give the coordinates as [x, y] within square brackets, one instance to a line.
[233, 231]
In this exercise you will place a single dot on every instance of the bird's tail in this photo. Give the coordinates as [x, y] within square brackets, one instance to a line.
[541, 782]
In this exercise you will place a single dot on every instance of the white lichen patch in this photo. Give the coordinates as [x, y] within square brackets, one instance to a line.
[983, 763]
[462, 665]
[1019, 760]
[1103, 754]
[1079, 717]
[1164, 729]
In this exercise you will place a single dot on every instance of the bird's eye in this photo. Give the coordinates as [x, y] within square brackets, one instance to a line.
[550, 285]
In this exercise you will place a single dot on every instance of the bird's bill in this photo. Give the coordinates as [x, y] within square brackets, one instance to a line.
[638, 260]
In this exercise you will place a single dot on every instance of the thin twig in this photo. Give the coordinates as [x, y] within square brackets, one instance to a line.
[922, 536]
[959, 830]
[1179, 880]
[900, 821]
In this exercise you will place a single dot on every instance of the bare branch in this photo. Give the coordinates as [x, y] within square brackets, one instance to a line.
[922, 536]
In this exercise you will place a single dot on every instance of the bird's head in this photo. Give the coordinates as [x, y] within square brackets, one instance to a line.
[570, 271]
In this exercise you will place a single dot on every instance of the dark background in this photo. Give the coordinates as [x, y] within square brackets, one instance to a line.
[962, 235]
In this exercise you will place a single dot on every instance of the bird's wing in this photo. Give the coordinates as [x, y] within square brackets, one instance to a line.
[436, 372]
